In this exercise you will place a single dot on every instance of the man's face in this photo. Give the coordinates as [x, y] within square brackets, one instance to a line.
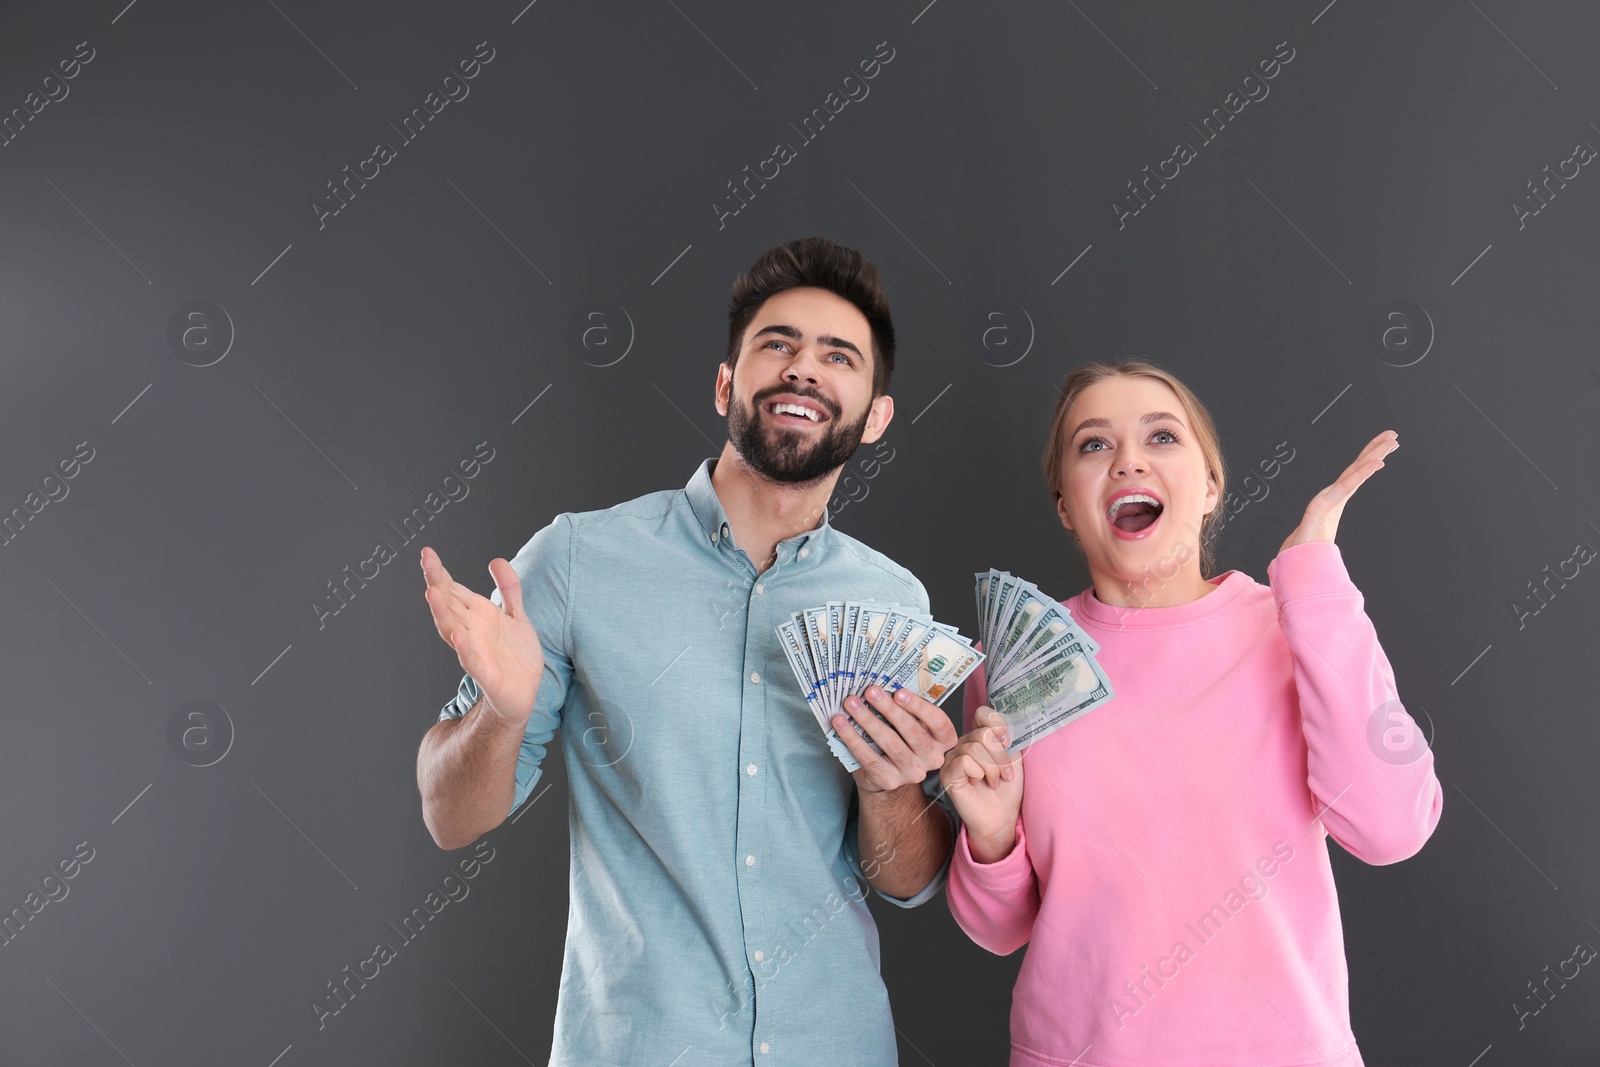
[801, 400]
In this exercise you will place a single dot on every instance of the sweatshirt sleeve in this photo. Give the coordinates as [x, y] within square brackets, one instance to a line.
[994, 903]
[1368, 766]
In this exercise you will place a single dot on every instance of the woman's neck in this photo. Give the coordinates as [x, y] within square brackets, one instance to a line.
[1150, 590]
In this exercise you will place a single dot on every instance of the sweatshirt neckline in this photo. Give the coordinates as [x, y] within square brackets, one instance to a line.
[1227, 588]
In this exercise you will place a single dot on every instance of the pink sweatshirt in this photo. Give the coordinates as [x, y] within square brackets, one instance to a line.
[1171, 874]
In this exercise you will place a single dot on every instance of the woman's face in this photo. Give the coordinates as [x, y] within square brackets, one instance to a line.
[1127, 437]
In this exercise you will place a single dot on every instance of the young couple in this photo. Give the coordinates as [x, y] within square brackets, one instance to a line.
[719, 851]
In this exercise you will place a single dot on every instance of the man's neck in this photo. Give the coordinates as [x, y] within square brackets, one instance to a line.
[762, 513]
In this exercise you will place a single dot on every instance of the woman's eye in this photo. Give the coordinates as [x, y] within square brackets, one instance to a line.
[1089, 441]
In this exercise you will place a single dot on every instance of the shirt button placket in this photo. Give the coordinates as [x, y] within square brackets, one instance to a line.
[751, 824]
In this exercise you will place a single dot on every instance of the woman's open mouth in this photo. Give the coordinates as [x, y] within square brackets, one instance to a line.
[1133, 514]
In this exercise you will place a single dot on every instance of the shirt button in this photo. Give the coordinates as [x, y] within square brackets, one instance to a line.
[713, 537]
[749, 861]
[758, 956]
[755, 676]
[804, 552]
[750, 770]
[763, 1048]
[759, 590]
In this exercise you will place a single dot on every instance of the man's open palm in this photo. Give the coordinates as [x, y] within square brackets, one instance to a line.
[496, 645]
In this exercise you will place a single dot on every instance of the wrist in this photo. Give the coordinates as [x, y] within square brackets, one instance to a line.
[994, 847]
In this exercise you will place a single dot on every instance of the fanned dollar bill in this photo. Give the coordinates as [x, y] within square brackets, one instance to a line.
[839, 649]
[1041, 672]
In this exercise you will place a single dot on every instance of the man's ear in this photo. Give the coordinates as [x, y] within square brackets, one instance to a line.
[724, 388]
[879, 414]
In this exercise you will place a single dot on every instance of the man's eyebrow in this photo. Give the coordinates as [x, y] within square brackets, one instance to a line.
[793, 334]
[1154, 416]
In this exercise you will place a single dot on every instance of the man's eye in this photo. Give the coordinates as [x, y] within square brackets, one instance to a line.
[842, 356]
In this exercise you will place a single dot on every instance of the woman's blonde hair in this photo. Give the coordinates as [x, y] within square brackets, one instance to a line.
[1198, 417]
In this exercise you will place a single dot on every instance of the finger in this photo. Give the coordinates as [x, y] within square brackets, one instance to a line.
[874, 764]
[987, 716]
[909, 726]
[941, 732]
[446, 610]
[997, 740]
[996, 751]
[981, 757]
[1370, 459]
[510, 587]
[961, 772]
[882, 733]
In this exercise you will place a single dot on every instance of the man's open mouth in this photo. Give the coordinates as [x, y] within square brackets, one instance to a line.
[785, 411]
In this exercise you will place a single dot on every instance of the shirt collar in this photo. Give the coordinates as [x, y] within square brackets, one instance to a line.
[713, 519]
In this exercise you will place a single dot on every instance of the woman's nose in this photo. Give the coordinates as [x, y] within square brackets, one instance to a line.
[1128, 461]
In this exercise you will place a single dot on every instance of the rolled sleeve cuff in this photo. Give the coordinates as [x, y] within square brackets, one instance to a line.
[1005, 873]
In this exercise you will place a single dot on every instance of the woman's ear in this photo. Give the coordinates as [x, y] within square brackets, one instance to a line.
[1061, 510]
[1213, 497]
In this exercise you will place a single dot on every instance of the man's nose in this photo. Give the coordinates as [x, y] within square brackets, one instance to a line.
[804, 365]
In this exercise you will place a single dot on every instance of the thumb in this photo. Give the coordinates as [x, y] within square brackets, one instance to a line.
[987, 716]
[508, 586]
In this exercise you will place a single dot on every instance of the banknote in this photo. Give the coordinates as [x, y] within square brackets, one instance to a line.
[1040, 672]
[838, 649]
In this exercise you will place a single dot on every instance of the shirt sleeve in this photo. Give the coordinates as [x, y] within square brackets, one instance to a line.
[1368, 767]
[544, 568]
[994, 903]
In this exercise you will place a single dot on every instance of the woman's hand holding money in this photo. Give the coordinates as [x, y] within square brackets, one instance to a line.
[985, 784]
[496, 644]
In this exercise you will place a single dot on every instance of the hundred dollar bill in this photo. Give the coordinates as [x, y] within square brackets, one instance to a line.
[839, 649]
[1049, 695]
[936, 666]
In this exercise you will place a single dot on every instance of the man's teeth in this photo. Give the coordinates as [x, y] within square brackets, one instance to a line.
[795, 409]
[1111, 512]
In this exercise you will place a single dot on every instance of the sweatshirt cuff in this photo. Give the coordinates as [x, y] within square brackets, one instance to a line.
[1311, 568]
[1007, 872]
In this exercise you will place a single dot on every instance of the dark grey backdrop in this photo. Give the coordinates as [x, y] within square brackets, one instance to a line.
[1346, 255]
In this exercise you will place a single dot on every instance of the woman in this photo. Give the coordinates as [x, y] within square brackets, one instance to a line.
[1164, 857]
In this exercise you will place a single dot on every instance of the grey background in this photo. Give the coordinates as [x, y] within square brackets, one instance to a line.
[371, 355]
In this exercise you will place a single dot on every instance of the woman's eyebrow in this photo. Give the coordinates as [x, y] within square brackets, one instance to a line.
[1154, 416]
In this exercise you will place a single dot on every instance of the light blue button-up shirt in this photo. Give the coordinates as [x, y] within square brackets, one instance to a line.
[718, 906]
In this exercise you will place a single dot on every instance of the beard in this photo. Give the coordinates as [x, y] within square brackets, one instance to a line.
[787, 456]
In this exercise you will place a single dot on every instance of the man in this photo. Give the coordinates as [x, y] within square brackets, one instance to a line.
[715, 911]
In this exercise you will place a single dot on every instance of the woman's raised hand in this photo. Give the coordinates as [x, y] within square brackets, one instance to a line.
[496, 645]
[1321, 520]
[985, 785]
